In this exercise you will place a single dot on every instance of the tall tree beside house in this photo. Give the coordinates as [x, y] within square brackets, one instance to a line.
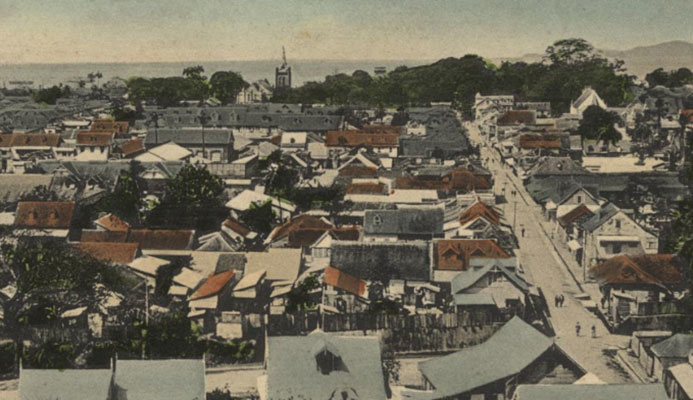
[225, 86]
[192, 199]
[259, 217]
[126, 200]
[49, 278]
[598, 124]
[197, 86]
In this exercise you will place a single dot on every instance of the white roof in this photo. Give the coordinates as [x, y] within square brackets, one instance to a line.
[147, 264]
[298, 138]
[75, 312]
[249, 280]
[188, 278]
[245, 159]
[622, 164]
[403, 196]
[684, 376]
[281, 265]
[618, 238]
[246, 198]
[169, 151]
[176, 290]
[209, 303]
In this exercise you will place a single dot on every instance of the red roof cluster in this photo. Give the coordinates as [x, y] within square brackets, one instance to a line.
[132, 147]
[44, 214]
[460, 179]
[574, 215]
[657, 269]
[213, 285]
[359, 138]
[365, 188]
[121, 253]
[454, 254]
[107, 125]
[530, 141]
[148, 239]
[30, 140]
[88, 138]
[344, 281]
[480, 209]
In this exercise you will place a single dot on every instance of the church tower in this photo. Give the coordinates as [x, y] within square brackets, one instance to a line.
[283, 73]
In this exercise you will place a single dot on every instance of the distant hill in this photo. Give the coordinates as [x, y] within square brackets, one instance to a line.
[639, 60]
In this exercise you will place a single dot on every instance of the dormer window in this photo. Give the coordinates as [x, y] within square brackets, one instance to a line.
[328, 361]
[53, 215]
[377, 220]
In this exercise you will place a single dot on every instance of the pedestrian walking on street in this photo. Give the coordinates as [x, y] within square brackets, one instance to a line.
[555, 301]
[561, 300]
[523, 232]
[594, 331]
[577, 328]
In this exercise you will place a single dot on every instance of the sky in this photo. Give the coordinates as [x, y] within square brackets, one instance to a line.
[63, 31]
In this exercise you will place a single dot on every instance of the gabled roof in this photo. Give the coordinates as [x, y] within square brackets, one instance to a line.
[236, 226]
[132, 147]
[111, 222]
[162, 239]
[15, 186]
[292, 370]
[213, 285]
[160, 379]
[119, 127]
[365, 188]
[44, 214]
[344, 281]
[404, 221]
[64, 384]
[405, 259]
[505, 354]
[89, 138]
[355, 139]
[462, 250]
[563, 166]
[578, 213]
[677, 346]
[600, 216]
[467, 279]
[657, 269]
[120, 253]
[480, 209]
[30, 140]
[298, 222]
[306, 237]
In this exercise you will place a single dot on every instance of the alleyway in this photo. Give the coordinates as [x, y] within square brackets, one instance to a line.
[546, 269]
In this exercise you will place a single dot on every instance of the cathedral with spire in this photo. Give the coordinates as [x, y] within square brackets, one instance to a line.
[282, 74]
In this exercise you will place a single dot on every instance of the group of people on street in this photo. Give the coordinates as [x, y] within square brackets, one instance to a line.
[578, 328]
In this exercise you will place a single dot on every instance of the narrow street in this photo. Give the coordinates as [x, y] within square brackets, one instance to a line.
[545, 268]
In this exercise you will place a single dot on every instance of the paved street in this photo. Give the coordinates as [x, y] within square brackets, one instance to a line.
[544, 268]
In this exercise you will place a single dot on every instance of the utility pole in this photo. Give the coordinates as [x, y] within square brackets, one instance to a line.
[514, 210]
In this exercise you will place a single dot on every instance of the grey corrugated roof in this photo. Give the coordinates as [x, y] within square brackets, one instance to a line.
[14, 186]
[189, 136]
[416, 221]
[600, 216]
[514, 347]
[474, 299]
[466, 279]
[406, 259]
[591, 392]
[160, 379]
[677, 346]
[292, 371]
[36, 384]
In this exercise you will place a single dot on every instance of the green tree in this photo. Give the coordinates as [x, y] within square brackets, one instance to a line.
[259, 217]
[50, 272]
[301, 296]
[598, 124]
[193, 198]
[570, 52]
[225, 86]
[126, 200]
[50, 95]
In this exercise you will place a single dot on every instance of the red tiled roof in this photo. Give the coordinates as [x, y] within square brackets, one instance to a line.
[358, 171]
[162, 239]
[516, 117]
[658, 269]
[90, 235]
[540, 142]
[355, 138]
[30, 140]
[458, 179]
[112, 223]
[107, 125]
[480, 209]
[574, 215]
[131, 147]
[365, 188]
[303, 221]
[454, 254]
[121, 253]
[213, 285]
[44, 214]
[94, 138]
[344, 281]
[236, 226]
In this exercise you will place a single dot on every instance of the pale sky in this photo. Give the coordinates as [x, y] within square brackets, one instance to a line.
[204, 30]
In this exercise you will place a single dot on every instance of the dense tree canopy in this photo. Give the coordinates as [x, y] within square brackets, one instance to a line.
[660, 77]
[598, 124]
[569, 66]
[51, 95]
[225, 86]
[192, 199]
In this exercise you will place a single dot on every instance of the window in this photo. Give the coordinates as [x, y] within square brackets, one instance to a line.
[328, 362]
[377, 220]
[616, 248]
[618, 224]
[579, 199]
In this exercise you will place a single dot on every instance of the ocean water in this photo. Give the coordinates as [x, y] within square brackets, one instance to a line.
[302, 70]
